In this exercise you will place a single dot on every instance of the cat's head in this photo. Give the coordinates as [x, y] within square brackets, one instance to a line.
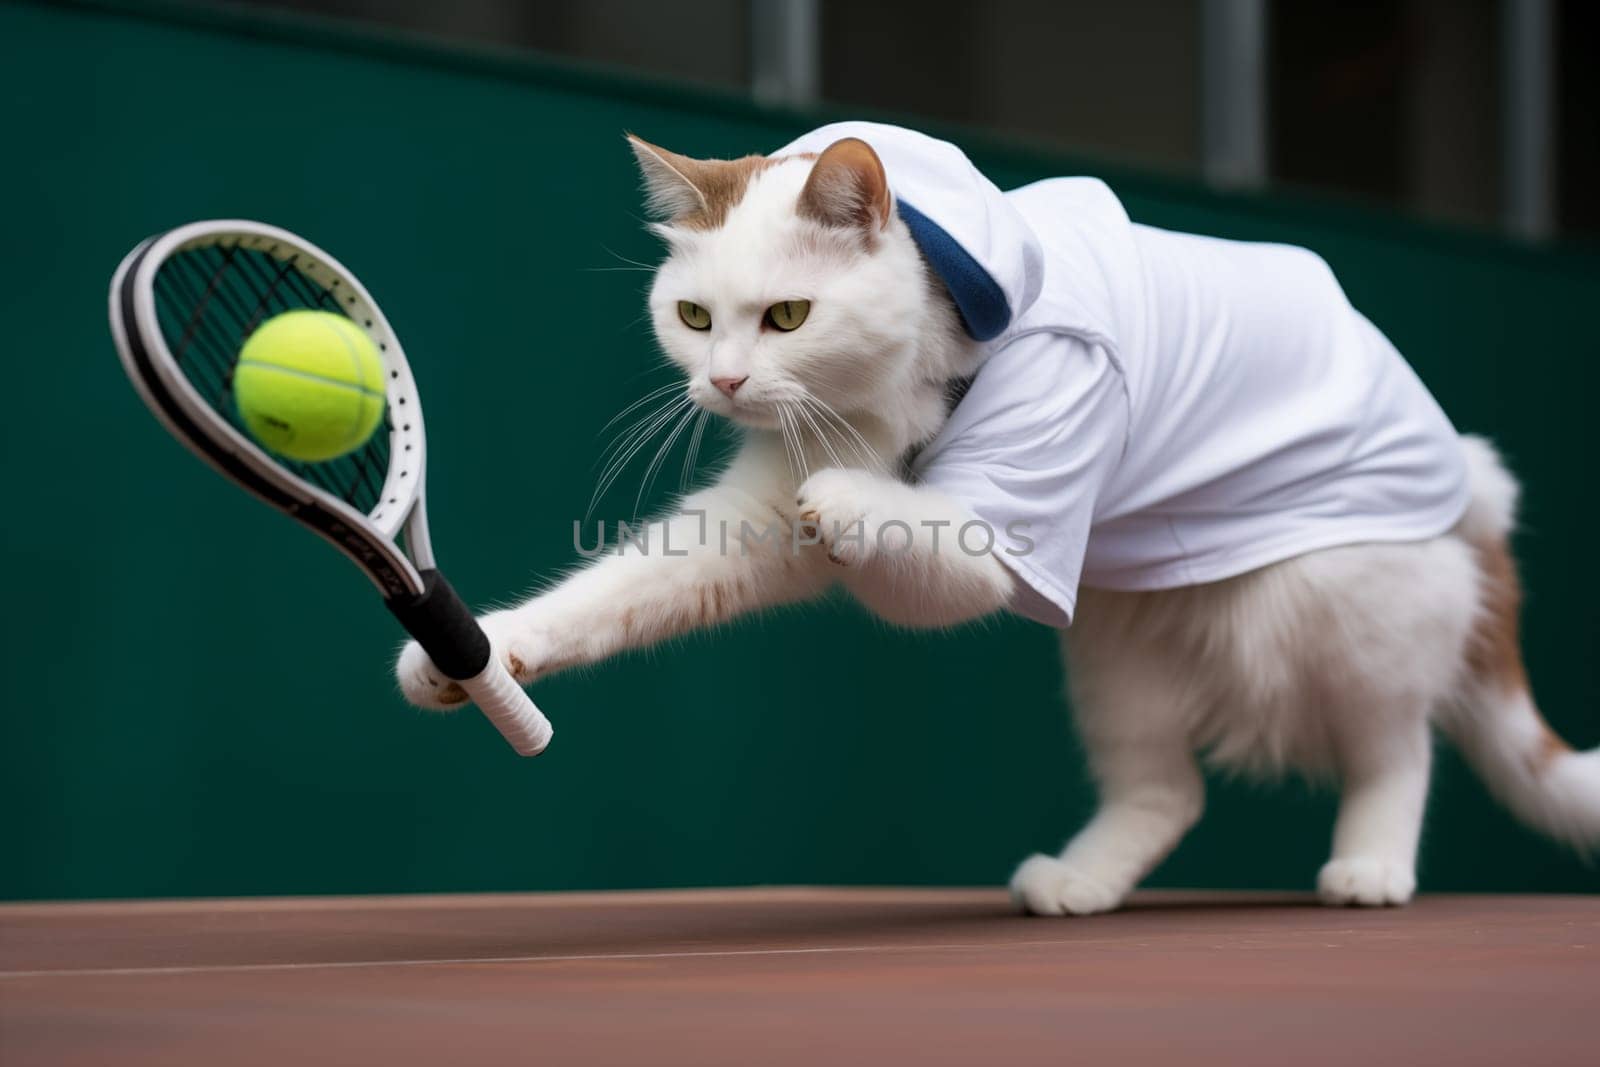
[786, 277]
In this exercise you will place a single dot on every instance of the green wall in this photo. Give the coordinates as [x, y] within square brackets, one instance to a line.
[197, 697]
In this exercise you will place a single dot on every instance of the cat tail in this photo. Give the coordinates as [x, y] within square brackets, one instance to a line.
[1493, 718]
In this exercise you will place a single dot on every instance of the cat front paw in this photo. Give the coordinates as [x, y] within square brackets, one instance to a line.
[518, 646]
[837, 503]
[1365, 881]
[424, 684]
[521, 642]
[1045, 885]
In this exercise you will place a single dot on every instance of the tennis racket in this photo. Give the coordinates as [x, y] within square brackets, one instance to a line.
[182, 305]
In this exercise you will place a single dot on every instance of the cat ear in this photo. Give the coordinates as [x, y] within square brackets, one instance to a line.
[848, 187]
[673, 184]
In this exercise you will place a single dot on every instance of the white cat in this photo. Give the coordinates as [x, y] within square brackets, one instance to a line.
[1226, 609]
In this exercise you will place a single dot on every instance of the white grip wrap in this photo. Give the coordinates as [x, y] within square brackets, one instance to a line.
[512, 711]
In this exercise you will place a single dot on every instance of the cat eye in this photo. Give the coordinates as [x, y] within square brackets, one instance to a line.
[787, 315]
[696, 317]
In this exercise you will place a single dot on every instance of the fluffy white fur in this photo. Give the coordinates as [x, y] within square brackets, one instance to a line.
[1334, 664]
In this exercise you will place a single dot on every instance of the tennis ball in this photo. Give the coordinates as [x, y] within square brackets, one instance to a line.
[309, 385]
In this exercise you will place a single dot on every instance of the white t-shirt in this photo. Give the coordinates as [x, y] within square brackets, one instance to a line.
[1159, 409]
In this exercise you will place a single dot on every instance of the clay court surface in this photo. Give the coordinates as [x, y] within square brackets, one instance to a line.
[798, 976]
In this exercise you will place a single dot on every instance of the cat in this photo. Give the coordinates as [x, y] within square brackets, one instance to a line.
[804, 298]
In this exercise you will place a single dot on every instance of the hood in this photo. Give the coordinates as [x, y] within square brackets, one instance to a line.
[971, 235]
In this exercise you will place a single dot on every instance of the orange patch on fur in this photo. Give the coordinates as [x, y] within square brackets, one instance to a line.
[722, 182]
[1495, 651]
[1551, 747]
[716, 186]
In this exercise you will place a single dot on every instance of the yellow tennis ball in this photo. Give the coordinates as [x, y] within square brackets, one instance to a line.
[309, 385]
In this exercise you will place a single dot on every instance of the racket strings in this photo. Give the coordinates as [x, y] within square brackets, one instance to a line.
[209, 300]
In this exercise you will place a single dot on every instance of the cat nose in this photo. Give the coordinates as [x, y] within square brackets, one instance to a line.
[729, 386]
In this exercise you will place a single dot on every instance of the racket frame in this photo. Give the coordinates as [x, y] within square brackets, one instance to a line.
[367, 539]
[412, 587]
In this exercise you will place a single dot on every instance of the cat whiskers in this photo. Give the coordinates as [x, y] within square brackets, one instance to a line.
[660, 456]
[630, 434]
[693, 452]
[643, 400]
[793, 448]
[817, 430]
[848, 434]
[632, 264]
[630, 441]
[788, 446]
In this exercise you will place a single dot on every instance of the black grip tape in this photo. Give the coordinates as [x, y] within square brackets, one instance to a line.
[443, 626]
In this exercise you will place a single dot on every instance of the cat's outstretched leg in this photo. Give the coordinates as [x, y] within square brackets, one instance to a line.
[1380, 817]
[730, 550]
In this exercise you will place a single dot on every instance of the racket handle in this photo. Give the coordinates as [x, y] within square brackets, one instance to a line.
[452, 638]
[512, 711]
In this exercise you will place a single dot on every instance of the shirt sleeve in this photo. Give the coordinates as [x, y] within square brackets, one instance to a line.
[1028, 450]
